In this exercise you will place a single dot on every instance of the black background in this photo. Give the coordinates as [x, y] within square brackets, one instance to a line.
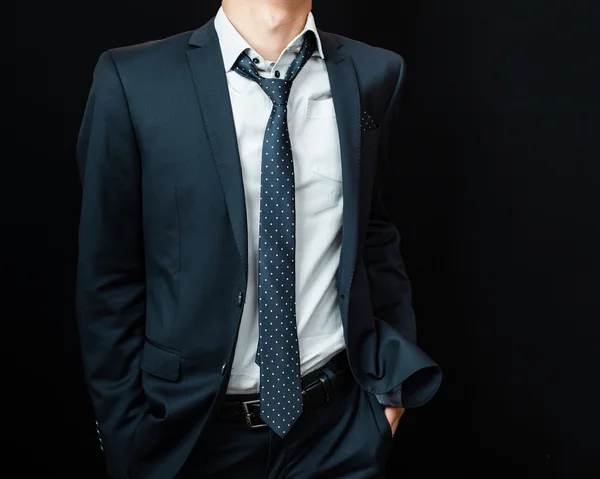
[496, 192]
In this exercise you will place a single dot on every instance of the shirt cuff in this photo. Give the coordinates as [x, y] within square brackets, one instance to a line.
[392, 398]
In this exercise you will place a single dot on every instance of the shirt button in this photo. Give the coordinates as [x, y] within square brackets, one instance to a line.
[277, 74]
[256, 60]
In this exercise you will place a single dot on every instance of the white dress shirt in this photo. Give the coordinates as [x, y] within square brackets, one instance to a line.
[318, 184]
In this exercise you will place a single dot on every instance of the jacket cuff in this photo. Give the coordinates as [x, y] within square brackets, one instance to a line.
[392, 398]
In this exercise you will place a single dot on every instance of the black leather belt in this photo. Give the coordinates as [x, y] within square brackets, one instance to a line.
[318, 387]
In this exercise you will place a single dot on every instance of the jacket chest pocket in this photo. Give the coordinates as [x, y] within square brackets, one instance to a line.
[369, 142]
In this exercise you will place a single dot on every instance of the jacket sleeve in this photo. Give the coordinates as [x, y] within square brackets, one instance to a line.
[389, 283]
[110, 289]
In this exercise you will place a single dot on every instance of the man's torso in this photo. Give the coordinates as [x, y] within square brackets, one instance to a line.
[318, 199]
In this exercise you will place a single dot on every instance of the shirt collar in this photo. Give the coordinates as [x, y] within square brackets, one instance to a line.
[233, 44]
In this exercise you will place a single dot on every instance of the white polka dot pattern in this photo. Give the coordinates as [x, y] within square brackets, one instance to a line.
[278, 355]
[367, 124]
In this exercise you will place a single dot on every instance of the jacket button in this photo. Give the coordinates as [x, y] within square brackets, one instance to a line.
[223, 368]
[342, 296]
[240, 299]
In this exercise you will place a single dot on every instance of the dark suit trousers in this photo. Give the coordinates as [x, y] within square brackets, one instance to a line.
[348, 437]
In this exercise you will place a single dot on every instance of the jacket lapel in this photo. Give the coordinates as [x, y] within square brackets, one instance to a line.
[208, 72]
[346, 99]
[206, 63]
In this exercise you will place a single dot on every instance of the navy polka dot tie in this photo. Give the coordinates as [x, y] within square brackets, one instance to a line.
[278, 355]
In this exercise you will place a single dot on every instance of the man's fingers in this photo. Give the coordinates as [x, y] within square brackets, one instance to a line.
[393, 415]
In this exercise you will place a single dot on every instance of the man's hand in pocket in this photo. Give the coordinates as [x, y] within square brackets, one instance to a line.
[393, 415]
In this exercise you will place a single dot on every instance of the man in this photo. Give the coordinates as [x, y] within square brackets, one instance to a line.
[243, 307]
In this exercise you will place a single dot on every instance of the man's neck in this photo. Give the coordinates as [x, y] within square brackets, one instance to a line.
[268, 25]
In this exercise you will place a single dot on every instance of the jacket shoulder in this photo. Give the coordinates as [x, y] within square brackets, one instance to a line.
[372, 58]
[150, 51]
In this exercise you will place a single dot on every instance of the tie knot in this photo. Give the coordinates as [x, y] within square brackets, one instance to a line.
[277, 90]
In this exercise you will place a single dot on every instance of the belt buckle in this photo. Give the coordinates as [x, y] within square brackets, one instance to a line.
[248, 415]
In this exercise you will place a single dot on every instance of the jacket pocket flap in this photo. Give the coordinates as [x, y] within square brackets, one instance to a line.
[165, 364]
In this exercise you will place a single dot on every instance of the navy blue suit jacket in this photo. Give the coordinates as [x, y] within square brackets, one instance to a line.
[163, 263]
